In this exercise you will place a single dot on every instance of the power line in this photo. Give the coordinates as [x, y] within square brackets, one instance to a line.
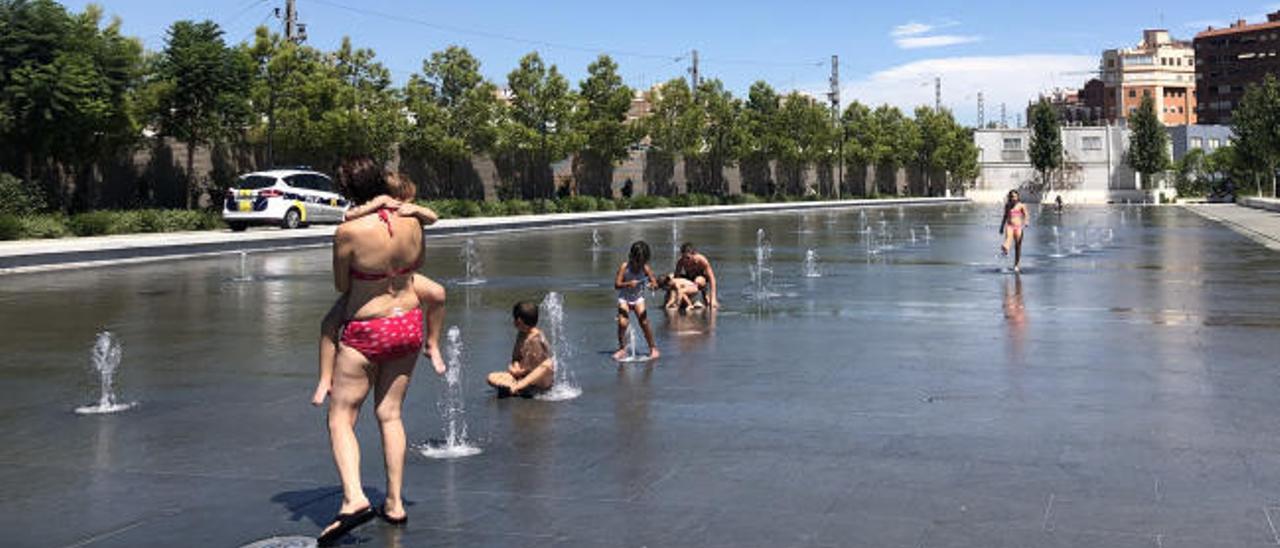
[557, 45]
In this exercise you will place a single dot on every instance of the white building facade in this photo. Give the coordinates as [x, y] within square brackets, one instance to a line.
[1094, 169]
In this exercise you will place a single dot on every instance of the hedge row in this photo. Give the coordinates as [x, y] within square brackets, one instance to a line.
[98, 223]
[454, 209]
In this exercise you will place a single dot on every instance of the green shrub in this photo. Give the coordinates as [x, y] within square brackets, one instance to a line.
[19, 198]
[518, 207]
[10, 227]
[545, 206]
[681, 200]
[93, 223]
[650, 202]
[492, 209]
[44, 226]
[745, 198]
[606, 204]
[578, 204]
[622, 204]
[469, 209]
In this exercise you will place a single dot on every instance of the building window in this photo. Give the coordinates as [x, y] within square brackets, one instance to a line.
[1197, 142]
[1111, 63]
[1133, 93]
[1091, 143]
[1214, 144]
[1012, 143]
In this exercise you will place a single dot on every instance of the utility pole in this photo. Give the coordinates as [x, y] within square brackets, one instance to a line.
[1004, 119]
[982, 114]
[293, 30]
[937, 94]
[834, 96]
[693, 71]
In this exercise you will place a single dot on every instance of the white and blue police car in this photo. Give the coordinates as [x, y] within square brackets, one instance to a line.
[289, 198]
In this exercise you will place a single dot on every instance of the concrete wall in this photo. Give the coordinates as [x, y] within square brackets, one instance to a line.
[155, 175]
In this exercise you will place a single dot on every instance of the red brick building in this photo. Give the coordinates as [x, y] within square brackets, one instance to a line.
[1228, 60]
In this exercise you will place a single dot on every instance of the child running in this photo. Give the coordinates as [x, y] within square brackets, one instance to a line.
[532, 368]
[632, 278]
[1015, 220]
[431, 296]
[680, 292]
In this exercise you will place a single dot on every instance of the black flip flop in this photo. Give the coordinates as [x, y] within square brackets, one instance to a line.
[398, 522]
[346, 522]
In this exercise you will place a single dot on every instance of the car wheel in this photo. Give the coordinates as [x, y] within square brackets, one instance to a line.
[238, 226]
[292, 219]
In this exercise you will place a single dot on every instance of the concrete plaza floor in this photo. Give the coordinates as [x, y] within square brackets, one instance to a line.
[1122, 391]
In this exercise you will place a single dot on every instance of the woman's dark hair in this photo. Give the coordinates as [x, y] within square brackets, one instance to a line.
[526, 312]
[640, 253]
[361, 179]
[686, 248]
[1008, 203]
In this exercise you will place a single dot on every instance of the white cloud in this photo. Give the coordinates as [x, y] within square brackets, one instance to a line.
[914, 35]
[1010, 79]
[910, 29]
[939, 40]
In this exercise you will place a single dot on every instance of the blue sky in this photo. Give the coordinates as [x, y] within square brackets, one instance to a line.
[889, 51]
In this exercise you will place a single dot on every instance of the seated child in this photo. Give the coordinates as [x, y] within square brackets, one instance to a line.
[431, 297]
[680, 292]
[532, 367]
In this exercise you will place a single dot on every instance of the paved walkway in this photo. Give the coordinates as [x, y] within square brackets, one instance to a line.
[41, 255]
[1259, 225]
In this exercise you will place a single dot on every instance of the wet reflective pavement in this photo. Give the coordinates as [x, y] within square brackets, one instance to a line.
[916, 394]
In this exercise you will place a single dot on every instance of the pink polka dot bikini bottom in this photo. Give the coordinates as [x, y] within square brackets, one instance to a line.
[385, 339]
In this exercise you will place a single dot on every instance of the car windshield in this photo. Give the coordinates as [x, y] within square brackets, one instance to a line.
[255, 182]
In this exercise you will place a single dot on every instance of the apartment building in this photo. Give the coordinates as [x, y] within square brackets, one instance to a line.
[1160, 68]
[1229, 59]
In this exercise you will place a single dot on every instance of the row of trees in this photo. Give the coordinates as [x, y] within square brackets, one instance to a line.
[75, 93]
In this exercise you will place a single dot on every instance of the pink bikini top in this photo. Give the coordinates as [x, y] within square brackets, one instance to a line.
[385, 217]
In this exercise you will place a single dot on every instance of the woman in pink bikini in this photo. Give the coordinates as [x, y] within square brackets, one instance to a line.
[374, 259]
[1015, 220]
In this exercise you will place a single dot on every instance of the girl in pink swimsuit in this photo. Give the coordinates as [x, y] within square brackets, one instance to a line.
[1015, 220]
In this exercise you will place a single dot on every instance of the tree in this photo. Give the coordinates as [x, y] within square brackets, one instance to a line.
[892, 139]
[1256, 127]
[719, 134]
[936, 131]
[759, 142]
[540, 121]
[603, 102]
[453, 108]
[859, 138]
[805, 135]
[67, 87]
[676, 120]
[1046, 141]
[960, 155]
[204, 87]
[1192, 175]
[1148, 142]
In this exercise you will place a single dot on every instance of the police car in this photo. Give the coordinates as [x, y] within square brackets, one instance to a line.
[286, 197]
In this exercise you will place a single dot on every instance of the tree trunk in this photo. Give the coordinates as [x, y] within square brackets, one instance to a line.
[27, 167]
[191, 174]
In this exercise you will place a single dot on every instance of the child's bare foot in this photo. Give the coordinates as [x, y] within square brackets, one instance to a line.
[698, 305]
[1004, 251]
[621, 353]
[433, 353]
[653, 353]
[322, 391]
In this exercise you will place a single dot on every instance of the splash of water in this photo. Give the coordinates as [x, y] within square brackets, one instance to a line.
[1075, 247]
[1057, 244]
[811, 264]
[565, 386]
[470, 256]
[913, 236]
[761, 289]
[244, 268]
[928, 234]
[597, 244]
[452, 408]
[675, 242]
[105, 358]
